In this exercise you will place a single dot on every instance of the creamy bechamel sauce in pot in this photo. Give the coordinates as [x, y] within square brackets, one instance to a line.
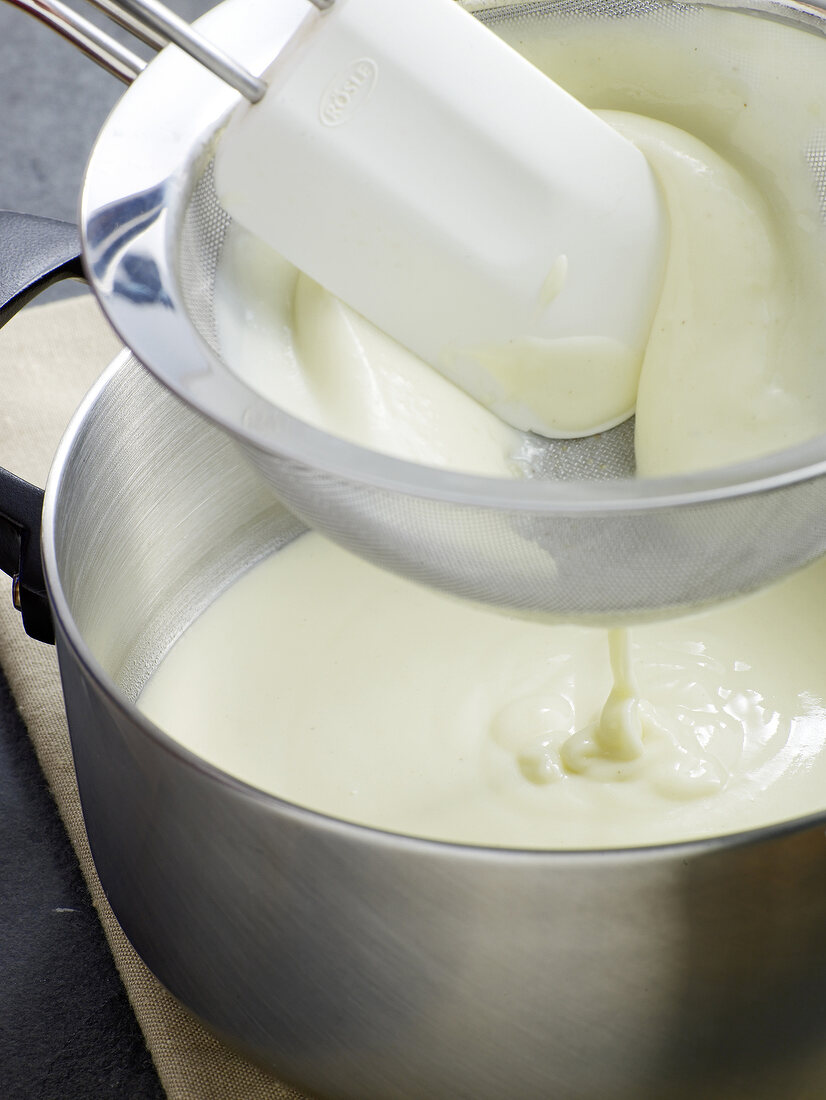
[335, 686]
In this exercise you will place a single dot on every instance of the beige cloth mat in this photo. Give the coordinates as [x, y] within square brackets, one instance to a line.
[49, 356]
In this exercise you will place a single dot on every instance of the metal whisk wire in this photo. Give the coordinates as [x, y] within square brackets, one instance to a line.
[156, 26]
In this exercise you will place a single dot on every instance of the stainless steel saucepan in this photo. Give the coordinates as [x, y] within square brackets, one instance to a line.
[355, 963]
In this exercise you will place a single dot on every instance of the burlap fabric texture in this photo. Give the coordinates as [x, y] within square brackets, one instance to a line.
[49, 356]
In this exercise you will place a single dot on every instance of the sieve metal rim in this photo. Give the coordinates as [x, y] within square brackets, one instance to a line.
[137, 183]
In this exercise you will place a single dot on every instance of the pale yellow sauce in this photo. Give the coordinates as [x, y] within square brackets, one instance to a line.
[336, 686]
[382, 703]
[312, 355]
[732, 367]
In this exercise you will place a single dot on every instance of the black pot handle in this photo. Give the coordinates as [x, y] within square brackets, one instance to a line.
[34, 253]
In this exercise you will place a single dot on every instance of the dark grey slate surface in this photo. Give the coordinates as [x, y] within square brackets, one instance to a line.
[53, 102]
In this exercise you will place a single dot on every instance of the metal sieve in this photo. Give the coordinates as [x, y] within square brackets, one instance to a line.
[578, 538]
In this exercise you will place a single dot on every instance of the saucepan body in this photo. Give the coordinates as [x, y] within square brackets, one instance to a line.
[357, 964]
[361, 964]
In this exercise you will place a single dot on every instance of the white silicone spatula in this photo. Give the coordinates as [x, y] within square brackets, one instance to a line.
[428, 175]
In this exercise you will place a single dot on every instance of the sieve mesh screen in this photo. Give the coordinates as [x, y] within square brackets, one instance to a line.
[554, 557]
[203, 229]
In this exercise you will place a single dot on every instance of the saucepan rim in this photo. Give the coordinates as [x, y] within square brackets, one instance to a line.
[308, 817]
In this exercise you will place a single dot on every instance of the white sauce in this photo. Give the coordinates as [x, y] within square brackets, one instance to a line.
[734, 362]
[733, 367]
[315, 357]
[382, 703]
[336, 686]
